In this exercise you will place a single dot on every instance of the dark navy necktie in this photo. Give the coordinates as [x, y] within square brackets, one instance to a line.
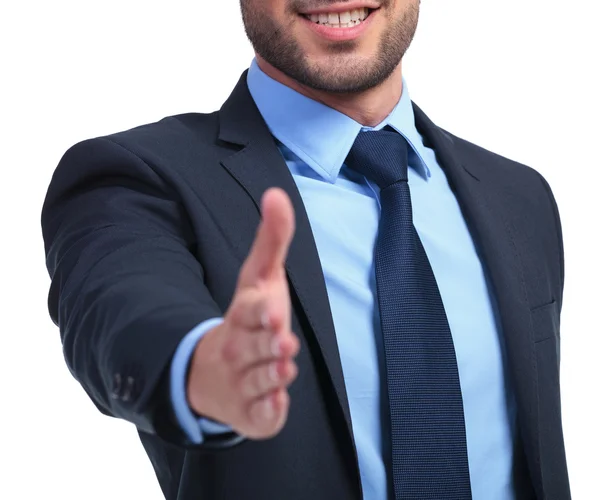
[429, 448]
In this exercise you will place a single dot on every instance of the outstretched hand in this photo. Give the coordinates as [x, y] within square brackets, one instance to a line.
[241, 369]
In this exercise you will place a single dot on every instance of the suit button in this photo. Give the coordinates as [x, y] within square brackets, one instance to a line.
[116, 388]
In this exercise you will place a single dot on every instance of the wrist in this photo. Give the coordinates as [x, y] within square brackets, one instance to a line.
[200, 377]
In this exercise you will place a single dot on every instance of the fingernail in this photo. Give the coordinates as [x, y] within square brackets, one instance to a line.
[273, 373]
[276, 347]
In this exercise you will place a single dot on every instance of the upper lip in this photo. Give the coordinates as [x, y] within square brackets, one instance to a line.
[342, 7]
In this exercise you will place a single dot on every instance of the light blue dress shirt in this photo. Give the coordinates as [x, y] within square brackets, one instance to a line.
[343, 209]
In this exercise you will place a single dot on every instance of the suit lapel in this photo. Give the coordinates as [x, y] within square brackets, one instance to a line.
[257, 167]
[482, 206]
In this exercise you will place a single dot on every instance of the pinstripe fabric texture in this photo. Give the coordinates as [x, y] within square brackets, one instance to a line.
[429, 449]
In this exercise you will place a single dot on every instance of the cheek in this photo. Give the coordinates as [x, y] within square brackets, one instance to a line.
[269, 12]
[278, 10]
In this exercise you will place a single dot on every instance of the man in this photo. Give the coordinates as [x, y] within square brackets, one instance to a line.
[315, 292]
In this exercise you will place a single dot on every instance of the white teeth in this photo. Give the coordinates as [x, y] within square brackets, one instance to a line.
[346, 19]
[333, 19]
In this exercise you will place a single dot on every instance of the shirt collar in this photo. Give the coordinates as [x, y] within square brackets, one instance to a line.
[319, 135]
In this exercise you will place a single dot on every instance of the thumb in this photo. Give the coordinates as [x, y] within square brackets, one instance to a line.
[275, 232]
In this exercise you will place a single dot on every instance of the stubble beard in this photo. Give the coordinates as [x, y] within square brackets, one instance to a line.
[344, 72]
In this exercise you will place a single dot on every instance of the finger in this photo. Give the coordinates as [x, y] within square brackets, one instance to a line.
[274, 235]
[265, 308]
[288, 345]
[245, 349]
[249, 310]
[278, 311]
[266, 377]
[248, 349]
[269, 413]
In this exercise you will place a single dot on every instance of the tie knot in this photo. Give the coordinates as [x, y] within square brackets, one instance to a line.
[381, 156]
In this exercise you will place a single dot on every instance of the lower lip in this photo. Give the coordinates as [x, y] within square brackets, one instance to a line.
[340, 34]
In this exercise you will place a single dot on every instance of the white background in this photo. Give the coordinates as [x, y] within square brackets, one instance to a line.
[519, 77]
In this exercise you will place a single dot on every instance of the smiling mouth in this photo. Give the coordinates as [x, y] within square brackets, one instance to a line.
[347, 19]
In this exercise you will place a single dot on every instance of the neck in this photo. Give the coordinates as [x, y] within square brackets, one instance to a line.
[369, 108]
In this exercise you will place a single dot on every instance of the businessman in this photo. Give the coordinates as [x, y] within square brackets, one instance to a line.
[315, 292]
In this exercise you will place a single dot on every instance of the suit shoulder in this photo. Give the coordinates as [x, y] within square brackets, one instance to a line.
[521, 185]
[150, 149]
[168, 134]
[488, 163]
[509, 175]
[147, 153]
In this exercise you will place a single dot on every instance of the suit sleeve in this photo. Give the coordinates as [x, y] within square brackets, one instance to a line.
[125, 285]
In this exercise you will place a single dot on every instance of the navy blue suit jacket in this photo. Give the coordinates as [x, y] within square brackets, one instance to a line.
[145, 232]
